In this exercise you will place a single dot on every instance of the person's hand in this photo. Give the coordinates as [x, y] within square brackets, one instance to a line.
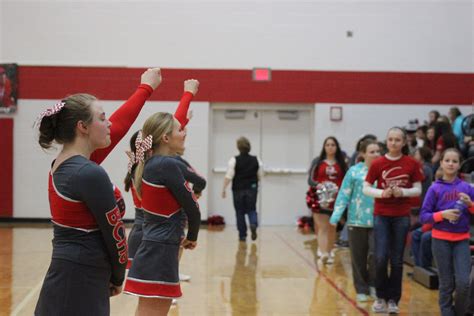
[466, 199]
[397, 192]
[224, 194]
[387, 193]
[188, 244]
[114, 289]
[191, 85]
[152, 77]
[451, 215]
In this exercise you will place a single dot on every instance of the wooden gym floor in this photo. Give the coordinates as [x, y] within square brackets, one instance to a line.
[276, 275]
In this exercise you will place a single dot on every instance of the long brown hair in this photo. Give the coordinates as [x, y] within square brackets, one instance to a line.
[157, 125]
[340, 159]
[128, 178]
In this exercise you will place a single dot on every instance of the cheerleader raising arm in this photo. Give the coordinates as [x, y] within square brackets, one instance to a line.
[123, 118]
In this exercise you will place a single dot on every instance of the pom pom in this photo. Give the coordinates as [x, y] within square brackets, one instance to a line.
[215, 220]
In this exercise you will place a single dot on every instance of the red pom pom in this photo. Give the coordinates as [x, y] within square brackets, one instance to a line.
[215, 220]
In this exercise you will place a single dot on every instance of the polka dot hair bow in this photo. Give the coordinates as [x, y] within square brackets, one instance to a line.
[142, 145]
[51, 111]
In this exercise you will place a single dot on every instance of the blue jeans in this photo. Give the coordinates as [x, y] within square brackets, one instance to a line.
[453, 259]
[245, 202]
[421, 248]
[344, 236]
[390, 234]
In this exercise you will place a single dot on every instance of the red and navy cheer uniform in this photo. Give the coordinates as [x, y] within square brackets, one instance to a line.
[319, 173]
[166, 199]
[89, 245]
[192, 176]
[136, 234]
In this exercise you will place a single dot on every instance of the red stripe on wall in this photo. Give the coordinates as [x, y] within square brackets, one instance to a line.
[6, 169]
[45, 82]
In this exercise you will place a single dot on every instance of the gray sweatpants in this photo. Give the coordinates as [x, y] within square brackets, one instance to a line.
[361, 245]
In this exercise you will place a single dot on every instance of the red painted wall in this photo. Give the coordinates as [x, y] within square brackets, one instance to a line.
[6, 167]
[237, 86]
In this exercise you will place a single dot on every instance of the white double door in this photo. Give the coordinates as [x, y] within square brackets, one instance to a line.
[282, 138]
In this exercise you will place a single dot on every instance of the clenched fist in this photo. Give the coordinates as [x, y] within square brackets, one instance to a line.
[191, 85]
[152, 77]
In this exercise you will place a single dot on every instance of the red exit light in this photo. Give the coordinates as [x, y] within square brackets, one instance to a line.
[262, 74]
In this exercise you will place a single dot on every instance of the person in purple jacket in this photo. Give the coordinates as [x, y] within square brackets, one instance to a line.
[447, 205]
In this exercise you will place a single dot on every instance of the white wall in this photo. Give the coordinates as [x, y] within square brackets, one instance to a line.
[31, 163]
[396, 35]
[359, 119]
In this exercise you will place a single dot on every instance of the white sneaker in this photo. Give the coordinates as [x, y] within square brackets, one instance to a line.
[379, 306]
[184, 277]
[392, 307]
[323, 259]
[373, 292]
[319, 253]
[362, 297]
[330, 260]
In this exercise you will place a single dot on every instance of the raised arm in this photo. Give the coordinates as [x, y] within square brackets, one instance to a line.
[191, 87]
[123, 118]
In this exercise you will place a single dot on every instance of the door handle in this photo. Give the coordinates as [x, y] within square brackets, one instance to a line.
[219, 170]
[285, 171]
[269, 170]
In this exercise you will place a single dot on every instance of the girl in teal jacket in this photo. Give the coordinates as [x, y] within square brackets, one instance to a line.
[360, 221]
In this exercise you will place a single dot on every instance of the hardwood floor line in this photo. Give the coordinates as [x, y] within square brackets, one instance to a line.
[26, 299]
[323, 275]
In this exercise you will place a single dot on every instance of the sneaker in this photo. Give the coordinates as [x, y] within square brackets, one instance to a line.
[362, 298]
[184, 277]
[323, 258]
[379, 306]
[330, 260]
[319, 253]
[373, 292]
[341, 244]
[253, 229]
[392, 307]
